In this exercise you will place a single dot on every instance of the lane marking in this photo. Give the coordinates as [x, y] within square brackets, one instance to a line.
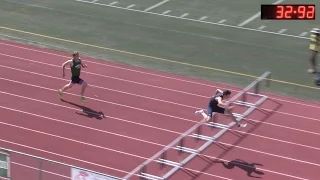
[166, 12]
[104, 101]
[94, 1]
[203, 18]
[270, 154]
[184, 105]
[64, 156]
[76, 141]
[156, 5]
[282, 31]
[99, 165]
[221, 21]
[303, 34]
[49, 172]
[261, 27]
[130, 6]
[184, 15]
[136, 156]
[104, 88]
[256, 15]
[132, 82]
[142, 72]
[111, 4]
[157, 128]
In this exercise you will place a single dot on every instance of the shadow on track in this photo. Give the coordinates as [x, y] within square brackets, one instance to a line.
[87, 111]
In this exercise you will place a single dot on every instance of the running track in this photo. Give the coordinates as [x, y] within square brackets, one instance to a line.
[145, 110]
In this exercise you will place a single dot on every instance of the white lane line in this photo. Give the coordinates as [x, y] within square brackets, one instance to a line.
[94, 1]
[303, 34]
[156, 5]
[167, 101]
[111, 4]
[166, 12]
[149, 126]
[222, 21]
[184, 15]
[142, 72]
[261, 27]
[104, 88]
[130, 6]
[150, 85]
[49, 172]
[203, 18]
[282, 31]
[256, 15]
[137, 156]
[195, 20]
[107, 102]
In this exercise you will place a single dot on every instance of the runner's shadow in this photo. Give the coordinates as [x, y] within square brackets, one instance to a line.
[245, 166]
[87, 111]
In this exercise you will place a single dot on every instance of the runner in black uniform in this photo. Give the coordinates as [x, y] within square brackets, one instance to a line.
[217, 105]
[75, 65]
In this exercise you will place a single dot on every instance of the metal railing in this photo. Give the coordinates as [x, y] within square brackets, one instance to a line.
[25, 166]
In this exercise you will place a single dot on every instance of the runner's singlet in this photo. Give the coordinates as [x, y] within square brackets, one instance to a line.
[76, 68]
[213, 102]
[315, 42]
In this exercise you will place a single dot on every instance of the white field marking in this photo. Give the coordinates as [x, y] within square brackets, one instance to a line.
[130, 6]
[64, 156]
[303, 34]
[152, 85]
[221, 21]
[282, 31]
[203, 18]
[95, 1]
[152, 74]
[156, 5]
[104, 88]
[205, 22]
[166, 12]
[149, 126]
[256, 15]
[111, 4]
[164, 29]
[103, 101]
[122, 152]
[184, 15]
[261, 27]
[26, 166]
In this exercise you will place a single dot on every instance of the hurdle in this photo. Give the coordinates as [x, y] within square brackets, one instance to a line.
[195, 132]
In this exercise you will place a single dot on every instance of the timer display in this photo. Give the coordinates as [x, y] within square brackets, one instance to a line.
[289, 12]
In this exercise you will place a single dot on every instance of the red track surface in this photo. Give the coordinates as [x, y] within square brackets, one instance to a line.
[145, 110]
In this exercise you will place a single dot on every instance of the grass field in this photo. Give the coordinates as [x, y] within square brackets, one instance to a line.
[218, 40]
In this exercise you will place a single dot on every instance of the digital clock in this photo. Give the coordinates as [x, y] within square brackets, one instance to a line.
[288, 12]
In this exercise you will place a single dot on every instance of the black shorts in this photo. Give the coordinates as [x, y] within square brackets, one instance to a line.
[76, 80]
[216, 109]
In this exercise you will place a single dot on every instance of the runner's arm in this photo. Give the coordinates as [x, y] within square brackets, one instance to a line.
[83, 64]
[218, 91]
[221, 103]
[64, 66]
